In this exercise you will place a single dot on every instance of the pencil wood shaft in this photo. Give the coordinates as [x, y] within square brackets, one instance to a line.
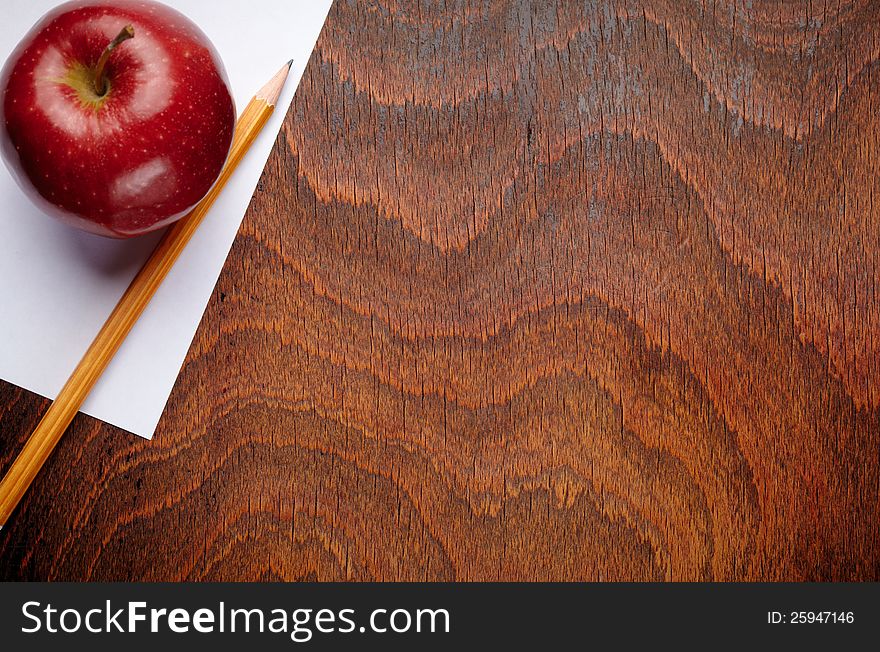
[130, 307]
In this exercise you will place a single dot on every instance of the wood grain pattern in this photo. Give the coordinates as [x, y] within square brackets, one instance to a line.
[529, 290]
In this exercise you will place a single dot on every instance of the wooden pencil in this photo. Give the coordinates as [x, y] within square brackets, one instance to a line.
[130, 307]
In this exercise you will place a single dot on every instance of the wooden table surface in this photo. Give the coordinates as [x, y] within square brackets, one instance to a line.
[528, 290]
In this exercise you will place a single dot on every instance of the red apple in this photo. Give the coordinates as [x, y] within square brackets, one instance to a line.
[117, 115]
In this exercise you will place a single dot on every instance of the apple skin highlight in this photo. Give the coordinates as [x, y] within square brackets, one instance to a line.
[141, 154]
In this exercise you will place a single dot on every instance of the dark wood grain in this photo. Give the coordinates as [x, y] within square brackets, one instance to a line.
[528, 290]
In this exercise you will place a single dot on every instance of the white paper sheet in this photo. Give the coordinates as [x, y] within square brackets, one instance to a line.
[57, 285]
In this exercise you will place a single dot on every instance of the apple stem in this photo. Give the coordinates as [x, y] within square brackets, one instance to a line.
[100, 84]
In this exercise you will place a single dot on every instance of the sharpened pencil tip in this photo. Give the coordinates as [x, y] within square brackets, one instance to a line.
[272, 90]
